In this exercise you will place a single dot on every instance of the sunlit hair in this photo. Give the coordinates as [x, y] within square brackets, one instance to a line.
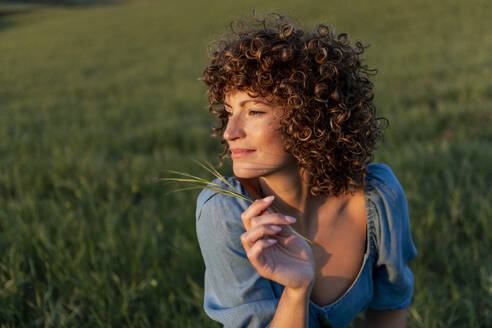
[329, 125]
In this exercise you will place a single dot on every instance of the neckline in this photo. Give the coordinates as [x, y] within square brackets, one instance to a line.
[364, 261]
[367, 190]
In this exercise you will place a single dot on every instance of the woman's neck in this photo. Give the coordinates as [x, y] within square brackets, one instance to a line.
[292, 195]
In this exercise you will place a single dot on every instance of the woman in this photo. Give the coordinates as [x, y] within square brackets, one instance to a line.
[299, 124]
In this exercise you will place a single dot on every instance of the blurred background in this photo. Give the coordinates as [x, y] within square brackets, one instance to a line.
[99, 98]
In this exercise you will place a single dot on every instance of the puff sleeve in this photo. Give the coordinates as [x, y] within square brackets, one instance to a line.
[234, 293]
[393, 279]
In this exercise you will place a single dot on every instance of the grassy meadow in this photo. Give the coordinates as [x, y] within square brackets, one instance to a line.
[97, 101]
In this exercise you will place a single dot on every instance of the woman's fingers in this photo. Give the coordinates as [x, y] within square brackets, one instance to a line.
[254, 252]
[255, 209]
[273, 218]
[254, 215]
[249, 238]
[272, 249]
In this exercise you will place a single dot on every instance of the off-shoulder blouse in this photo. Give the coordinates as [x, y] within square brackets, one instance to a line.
[237, 296]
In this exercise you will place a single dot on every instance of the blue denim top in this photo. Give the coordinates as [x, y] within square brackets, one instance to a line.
[237, 296]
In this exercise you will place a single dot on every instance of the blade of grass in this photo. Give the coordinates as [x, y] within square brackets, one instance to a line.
[187, 175]
[298, 234]
[230, 193]
[184, 189]
[190, 180]
[209, 167]
[200, 182]
[200, 213]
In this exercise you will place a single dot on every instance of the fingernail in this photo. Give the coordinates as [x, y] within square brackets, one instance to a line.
[290, 219]
[269, 198]
[276, 228]
[271, 241]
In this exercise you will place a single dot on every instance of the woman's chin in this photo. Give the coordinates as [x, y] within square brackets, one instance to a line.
[245, 175]
[248, 172]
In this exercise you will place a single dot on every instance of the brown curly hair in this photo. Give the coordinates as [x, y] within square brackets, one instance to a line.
[329, 124]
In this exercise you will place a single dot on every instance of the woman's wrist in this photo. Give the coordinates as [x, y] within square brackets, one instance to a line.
[300, 292]
[293, 308]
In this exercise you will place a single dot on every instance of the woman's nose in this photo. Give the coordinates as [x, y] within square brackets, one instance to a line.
[234, 129]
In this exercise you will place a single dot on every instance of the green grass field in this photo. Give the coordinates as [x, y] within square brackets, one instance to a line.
[96, 102]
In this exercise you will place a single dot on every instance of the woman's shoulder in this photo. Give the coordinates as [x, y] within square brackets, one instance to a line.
[384, 189]
[216, 205]
[382, 177]
[390, 226]
[221, 193]
[389, 211]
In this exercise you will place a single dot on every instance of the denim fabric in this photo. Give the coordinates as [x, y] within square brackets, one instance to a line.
[237, 296]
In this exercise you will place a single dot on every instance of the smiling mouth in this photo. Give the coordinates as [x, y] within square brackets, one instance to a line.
[238, 153]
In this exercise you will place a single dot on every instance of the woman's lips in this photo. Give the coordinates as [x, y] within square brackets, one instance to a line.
[238, 153]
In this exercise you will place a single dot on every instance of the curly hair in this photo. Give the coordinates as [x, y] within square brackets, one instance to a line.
[329, 124]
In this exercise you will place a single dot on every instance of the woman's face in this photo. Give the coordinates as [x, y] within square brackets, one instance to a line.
[254, 137]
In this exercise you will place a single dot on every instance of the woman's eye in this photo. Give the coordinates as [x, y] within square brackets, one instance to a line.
[255, 112]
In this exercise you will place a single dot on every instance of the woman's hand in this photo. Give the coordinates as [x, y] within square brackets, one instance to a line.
[274, 250]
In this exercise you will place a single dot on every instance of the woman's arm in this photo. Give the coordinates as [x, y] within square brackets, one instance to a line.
[293, 309]
[279, 255]
[234, 292]
[386, 318]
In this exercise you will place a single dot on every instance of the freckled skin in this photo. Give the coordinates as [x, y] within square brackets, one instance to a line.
[255, 125]
[322, 273]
